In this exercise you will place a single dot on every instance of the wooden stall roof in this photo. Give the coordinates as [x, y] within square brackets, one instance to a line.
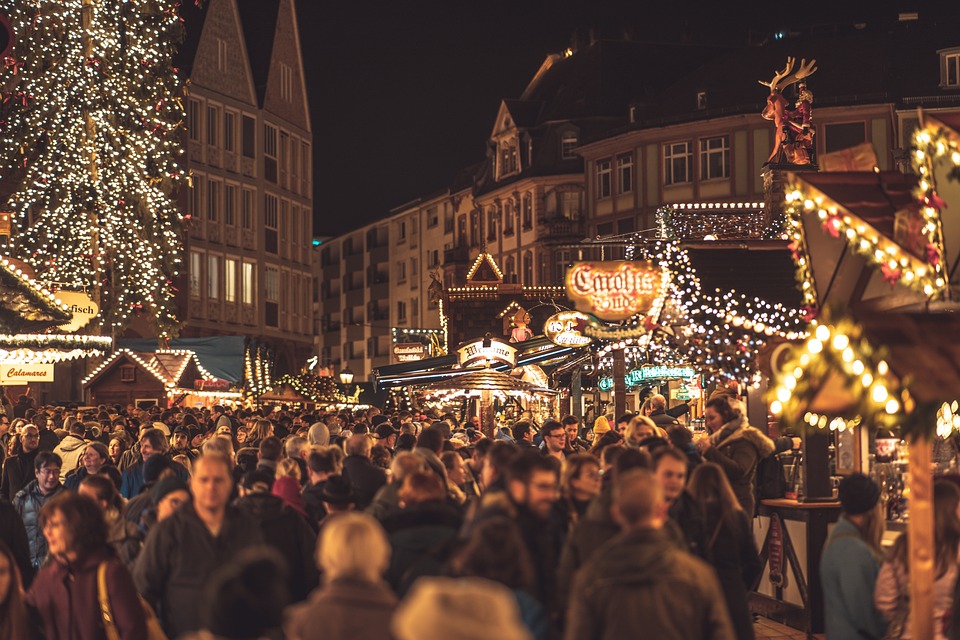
[25, 306]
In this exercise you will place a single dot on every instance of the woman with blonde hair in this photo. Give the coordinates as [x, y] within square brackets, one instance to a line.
[354, 603]
[260, 430]
[639, 429]
[731, 548]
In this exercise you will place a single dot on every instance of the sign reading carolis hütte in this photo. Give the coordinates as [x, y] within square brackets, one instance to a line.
[613, 290]
[13, 374]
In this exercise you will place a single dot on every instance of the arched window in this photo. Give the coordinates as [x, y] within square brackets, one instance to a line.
[528, 268]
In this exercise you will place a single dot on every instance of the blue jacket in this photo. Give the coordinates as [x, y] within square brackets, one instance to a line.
[848, 573]
[132, 479]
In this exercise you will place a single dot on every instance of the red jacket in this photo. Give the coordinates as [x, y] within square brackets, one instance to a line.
[65, 596]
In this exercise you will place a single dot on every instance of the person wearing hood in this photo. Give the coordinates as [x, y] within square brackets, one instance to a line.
[71, 448]
[735, 446]
[283, 528]
[641, 583]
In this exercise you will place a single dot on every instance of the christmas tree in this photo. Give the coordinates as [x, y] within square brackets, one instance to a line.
[91, 116]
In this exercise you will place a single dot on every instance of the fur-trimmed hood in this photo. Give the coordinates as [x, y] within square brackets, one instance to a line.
[738, 429]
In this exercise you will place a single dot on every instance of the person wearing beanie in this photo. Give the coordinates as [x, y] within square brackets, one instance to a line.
[851, 562]
[167, 495]
[318, 435]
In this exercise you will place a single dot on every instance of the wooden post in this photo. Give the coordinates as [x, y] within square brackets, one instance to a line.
[488, 416]
[919, 493]
[619, 384]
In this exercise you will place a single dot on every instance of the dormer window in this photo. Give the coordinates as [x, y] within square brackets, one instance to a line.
[950, 68]
[568, 142]
[508, 159]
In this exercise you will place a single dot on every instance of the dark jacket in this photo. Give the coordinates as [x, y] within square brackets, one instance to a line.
[420, 539]
[178, 558]
[48, 440]
[640, 584]
[74, 478]
[133, 478]
[313, 500]
[18, 471]
[65, 596]
[365, 479]
[28, 504]
[590, 533]
[738, 449]
[286, 531]
[734, 556]
[661, 419]
[14, 534]
[691, 531]
[344, 609]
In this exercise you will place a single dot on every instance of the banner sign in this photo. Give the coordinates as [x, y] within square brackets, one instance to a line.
[564, 329]
[408, 351]
[636, 377]
[14, 374]
[81, 305]
[212, 385]
[614, 290]
[487, 351]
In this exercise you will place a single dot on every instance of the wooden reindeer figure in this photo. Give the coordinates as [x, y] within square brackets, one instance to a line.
[793, 133]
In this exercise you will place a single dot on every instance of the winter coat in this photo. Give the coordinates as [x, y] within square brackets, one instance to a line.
[48, 440]
[386, 502]
[690, 530]
[345, 609]
[848, 575]
[66, 598]
[892, 581]
[286, 531]
[364, 477]
[662, 420]
[124, 536]
[313, 500]
[73, 479]
[70, 449]
[591, 533]
[178, 558]
[28, 504]
[738, 448]
[133, 482]
[420, 538]
[14, 534]
[18, 471]
[736, 560]
[640, 584]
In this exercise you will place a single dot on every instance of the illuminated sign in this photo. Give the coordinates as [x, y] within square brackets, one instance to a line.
[13, 374]
[81, 305]
[614, 290]
[564, 329]
[408, 351]
[636, 377]
[487, 352]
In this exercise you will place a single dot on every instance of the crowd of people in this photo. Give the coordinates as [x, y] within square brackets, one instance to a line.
[118, 522]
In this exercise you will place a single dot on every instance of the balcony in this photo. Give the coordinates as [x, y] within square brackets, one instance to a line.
[356, 331]
[355, 298]
[458, 255]
[562, 227]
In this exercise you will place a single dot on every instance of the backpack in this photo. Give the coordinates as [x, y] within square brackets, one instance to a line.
[771, 479]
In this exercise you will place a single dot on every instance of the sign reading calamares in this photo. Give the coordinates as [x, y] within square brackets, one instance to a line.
[14, 374]
[613, 290]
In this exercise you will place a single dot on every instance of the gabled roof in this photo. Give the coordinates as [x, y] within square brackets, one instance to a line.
[484, 269]
[259, 21]
[524, 112]
[166, 366]
[24, 304]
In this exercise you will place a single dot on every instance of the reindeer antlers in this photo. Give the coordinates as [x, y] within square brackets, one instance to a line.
[785, 77]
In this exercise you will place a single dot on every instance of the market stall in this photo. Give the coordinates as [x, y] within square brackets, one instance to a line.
[163, 378]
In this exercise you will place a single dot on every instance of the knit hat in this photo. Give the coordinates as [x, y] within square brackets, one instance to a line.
[318, 434]
[464, 608]
[601, 425]
[858, 494]
[165, 487]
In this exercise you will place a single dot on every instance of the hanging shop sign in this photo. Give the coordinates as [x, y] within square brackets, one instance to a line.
[614, 290]
[565, 329]
[14, 374]
[408, 351]
[636, 377]
[486, 351]
[81, 305]
[212, 385]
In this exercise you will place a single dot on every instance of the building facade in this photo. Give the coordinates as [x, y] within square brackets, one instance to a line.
[250, 205]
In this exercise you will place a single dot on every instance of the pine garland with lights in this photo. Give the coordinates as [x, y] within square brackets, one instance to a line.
[312, 387]
[91, 132]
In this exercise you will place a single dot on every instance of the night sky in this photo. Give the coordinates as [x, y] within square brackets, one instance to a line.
[404, 94]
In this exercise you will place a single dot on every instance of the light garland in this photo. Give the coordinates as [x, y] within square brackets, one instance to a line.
[717, 221]
[484, 257]
[154, 366]
[94, 121]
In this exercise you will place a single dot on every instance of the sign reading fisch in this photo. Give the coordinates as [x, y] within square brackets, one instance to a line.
[81, 305]
[14, 374]
[564, 329]
[408, 351]
[613, 290]
[494, 350]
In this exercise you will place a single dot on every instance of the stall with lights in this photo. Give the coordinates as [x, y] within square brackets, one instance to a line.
[309, 390]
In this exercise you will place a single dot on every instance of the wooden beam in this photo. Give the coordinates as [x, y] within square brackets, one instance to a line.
[921, 542]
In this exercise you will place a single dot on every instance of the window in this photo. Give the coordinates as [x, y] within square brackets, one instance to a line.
[677, 163]
[221, 54]
[193, 119]
[508, 213]
[285, 159]
[230, 204]
[270, 152]
[604, 178]
[213, 277]
[246, 209]
[568, 142]
[508, 159]
[229, 131]
[401, 271]
[510, 270]
[401, 231]
[527, 213]
[951, 69]
[198, 196]
[213, 125]
[305, 167]
[213, 200]
[843, 136]
[447, 221]
[624, 173]
[415, 309]
[492, 223]
[433, 217]
[570, 205]
[128, 373]
[286, 82]
[625, 226]
[196, 267]
[230, 279]
[249, 283]
[270, 238]
[401, 311]
[528, 268]
[248, 137]
[715, 158]
[413, 269]
[605, 229]
[433, 258]
[271, 284]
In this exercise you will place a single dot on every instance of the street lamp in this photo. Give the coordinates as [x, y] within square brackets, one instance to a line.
[346, 379]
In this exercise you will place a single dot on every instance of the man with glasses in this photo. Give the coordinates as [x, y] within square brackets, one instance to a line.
[554, 439]
[31, 499]
[18, 470]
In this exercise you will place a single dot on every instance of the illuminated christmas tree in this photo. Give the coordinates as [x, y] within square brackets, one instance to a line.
[91, 116]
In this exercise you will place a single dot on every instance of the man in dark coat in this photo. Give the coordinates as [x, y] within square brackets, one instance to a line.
[685, 522]
[364, 477]
[18, 470]
[640, 583]
[14, 534]
[658, 411]
[320, 466]
[183, 551]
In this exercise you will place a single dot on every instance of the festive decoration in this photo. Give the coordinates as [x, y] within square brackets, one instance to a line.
[313, 388]
[614, 290]
[717, 221]
[258, 369]
[792, 130]
[93, 114]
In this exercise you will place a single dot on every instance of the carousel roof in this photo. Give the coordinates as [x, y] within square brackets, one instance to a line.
[488, 380]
